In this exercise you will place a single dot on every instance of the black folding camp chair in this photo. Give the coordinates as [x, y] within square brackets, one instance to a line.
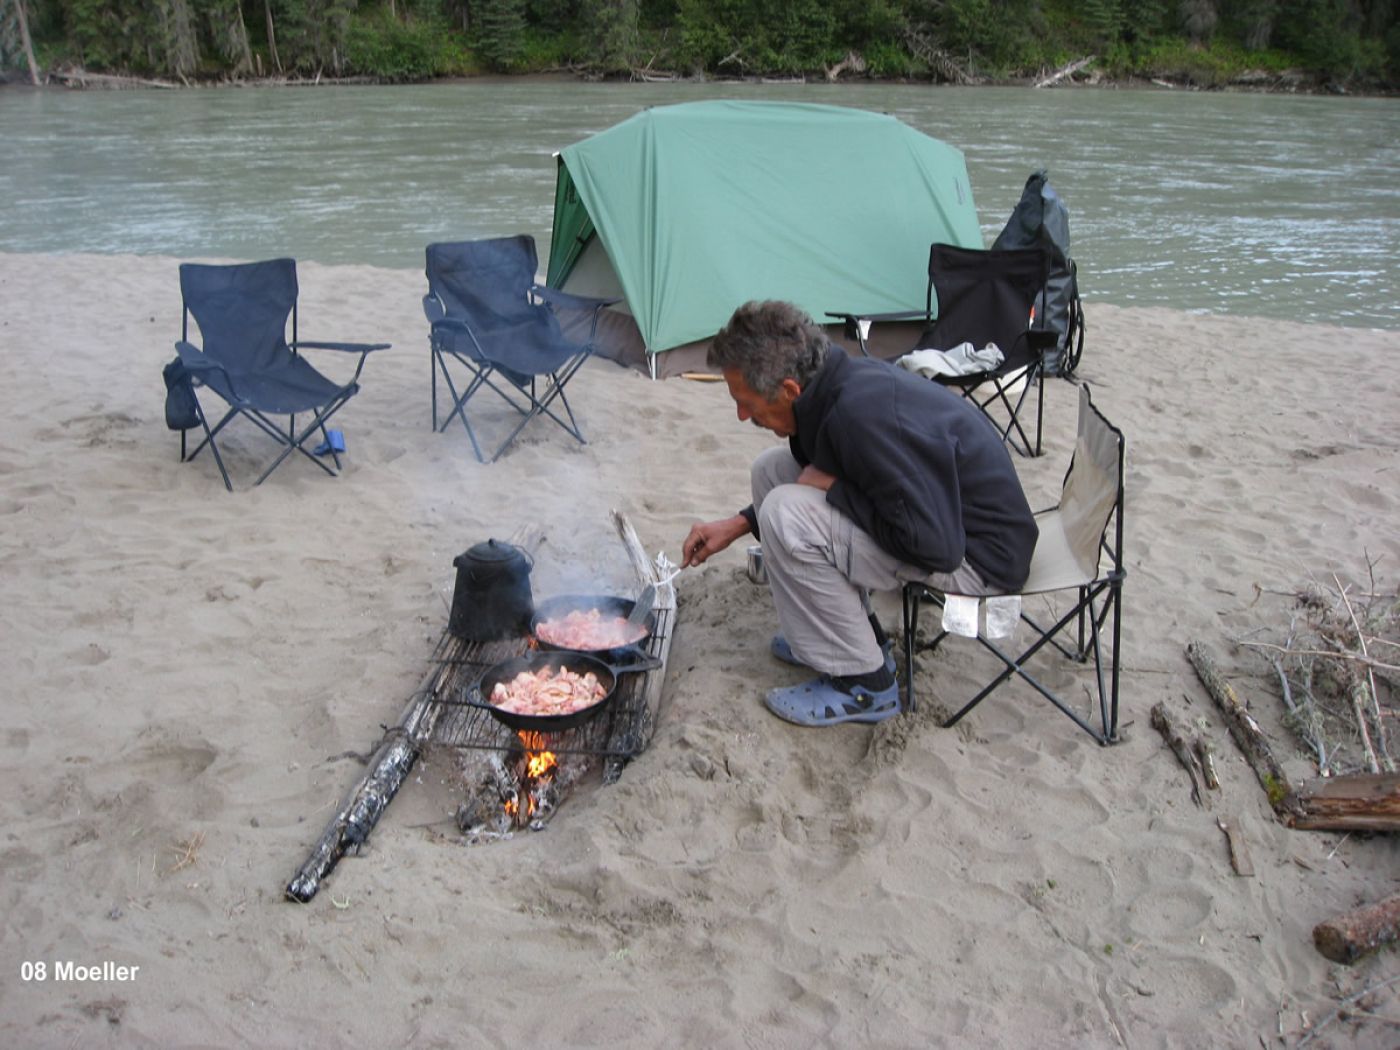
[242, 313]
[1080, 551]
[984, 296]
[501, 331]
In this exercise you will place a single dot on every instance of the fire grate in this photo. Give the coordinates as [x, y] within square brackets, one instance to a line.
[616, 735]
[434, 715]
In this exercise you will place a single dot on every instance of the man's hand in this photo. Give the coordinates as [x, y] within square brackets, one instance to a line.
[710, 537]
[818, 479]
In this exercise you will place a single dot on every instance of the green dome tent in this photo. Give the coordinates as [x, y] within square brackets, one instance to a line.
[688, 211]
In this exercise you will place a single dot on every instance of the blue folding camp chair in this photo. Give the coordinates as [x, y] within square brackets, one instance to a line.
[501, 331]
[242, 312]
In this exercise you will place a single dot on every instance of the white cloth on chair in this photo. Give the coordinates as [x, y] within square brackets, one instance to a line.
[962, 615]
[962, 360]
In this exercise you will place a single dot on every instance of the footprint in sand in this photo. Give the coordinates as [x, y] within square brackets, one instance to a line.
[1169, 911]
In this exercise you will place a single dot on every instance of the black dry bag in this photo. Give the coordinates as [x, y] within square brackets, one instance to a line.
[181, 409]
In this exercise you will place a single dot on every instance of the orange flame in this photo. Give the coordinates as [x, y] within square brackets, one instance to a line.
[538, 760]
[539, 764]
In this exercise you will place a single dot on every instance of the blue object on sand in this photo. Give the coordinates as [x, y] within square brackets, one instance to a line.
[335, 443]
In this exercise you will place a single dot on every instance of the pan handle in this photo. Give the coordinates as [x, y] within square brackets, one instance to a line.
[640, 661]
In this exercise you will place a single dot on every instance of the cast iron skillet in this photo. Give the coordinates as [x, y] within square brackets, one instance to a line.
[625, 655]
[578, 663]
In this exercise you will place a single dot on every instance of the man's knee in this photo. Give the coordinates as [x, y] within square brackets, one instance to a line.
[789, 517]
[772, 467]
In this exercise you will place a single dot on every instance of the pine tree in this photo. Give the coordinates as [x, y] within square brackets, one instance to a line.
[612, 28]
[501, 31]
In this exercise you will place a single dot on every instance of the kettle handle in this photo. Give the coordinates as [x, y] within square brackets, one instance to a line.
[529, 558]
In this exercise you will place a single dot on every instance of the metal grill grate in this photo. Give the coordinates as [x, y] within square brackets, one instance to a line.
[617, 734]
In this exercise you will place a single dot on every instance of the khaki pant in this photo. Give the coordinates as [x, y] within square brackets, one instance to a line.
[822, 568]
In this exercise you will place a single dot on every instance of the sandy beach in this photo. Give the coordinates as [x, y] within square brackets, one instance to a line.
[191, 674]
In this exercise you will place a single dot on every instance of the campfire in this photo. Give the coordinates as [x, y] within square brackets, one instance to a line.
[535, 785]
[515, 788]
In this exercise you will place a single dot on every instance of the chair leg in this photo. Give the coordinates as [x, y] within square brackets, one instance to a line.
[541, 406]
[209, 439]
[1093, 645]
[297, 442]
[1001, 393]
[911, 626]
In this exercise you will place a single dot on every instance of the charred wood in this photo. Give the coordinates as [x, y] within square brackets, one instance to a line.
[393, 760]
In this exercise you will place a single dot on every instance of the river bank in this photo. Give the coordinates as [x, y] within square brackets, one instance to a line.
[1292, 82]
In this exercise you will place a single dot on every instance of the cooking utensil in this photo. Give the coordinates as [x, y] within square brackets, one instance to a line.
[642, 609]
[579, 663]
[609, 605]
[647, 599]
[492, 597]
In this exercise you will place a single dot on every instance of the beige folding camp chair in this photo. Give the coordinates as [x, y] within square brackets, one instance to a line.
[1080, 549]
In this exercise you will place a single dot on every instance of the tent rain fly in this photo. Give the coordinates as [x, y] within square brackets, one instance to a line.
[688, 211]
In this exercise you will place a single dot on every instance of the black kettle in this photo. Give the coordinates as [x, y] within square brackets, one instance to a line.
[492, 597]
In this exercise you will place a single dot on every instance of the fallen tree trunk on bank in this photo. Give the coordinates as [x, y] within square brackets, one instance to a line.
[1243, 728]
[1349, 936]
[1065, 71]
[1355, 802]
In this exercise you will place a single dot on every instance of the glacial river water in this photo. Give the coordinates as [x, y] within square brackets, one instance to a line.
[1275, 205]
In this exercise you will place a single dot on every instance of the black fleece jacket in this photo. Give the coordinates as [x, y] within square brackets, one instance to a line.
[917, 467]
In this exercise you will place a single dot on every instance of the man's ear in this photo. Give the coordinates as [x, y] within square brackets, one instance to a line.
[790, 390]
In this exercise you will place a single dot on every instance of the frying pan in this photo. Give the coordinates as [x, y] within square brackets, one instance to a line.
[608, 605]
[578, 663]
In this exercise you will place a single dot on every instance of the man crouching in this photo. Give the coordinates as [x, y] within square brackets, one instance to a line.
[887, 477]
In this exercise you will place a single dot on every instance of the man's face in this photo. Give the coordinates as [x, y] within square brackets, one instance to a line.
[775, 415]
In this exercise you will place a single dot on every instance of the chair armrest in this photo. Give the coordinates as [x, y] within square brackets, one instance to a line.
[455, 324]
[555, 297]
[433, 308]
[199, 365]
[897, 315]
[859, 325]
[353, 348]
[194, 360]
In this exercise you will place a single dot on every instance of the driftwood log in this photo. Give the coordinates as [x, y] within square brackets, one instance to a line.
[1243, 728]
[1354, 802]
[665, 607]
[1349, 936]
[1184, 750]
[1239, 855]
[1064, 71]
[388, 769]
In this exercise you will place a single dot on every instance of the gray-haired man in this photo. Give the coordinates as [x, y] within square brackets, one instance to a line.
[886, 477]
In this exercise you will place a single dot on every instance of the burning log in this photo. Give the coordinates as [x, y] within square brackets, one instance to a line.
[516, 789]
[1349, 936]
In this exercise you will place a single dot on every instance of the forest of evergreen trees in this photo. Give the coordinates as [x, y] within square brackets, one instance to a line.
[1340, 45]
